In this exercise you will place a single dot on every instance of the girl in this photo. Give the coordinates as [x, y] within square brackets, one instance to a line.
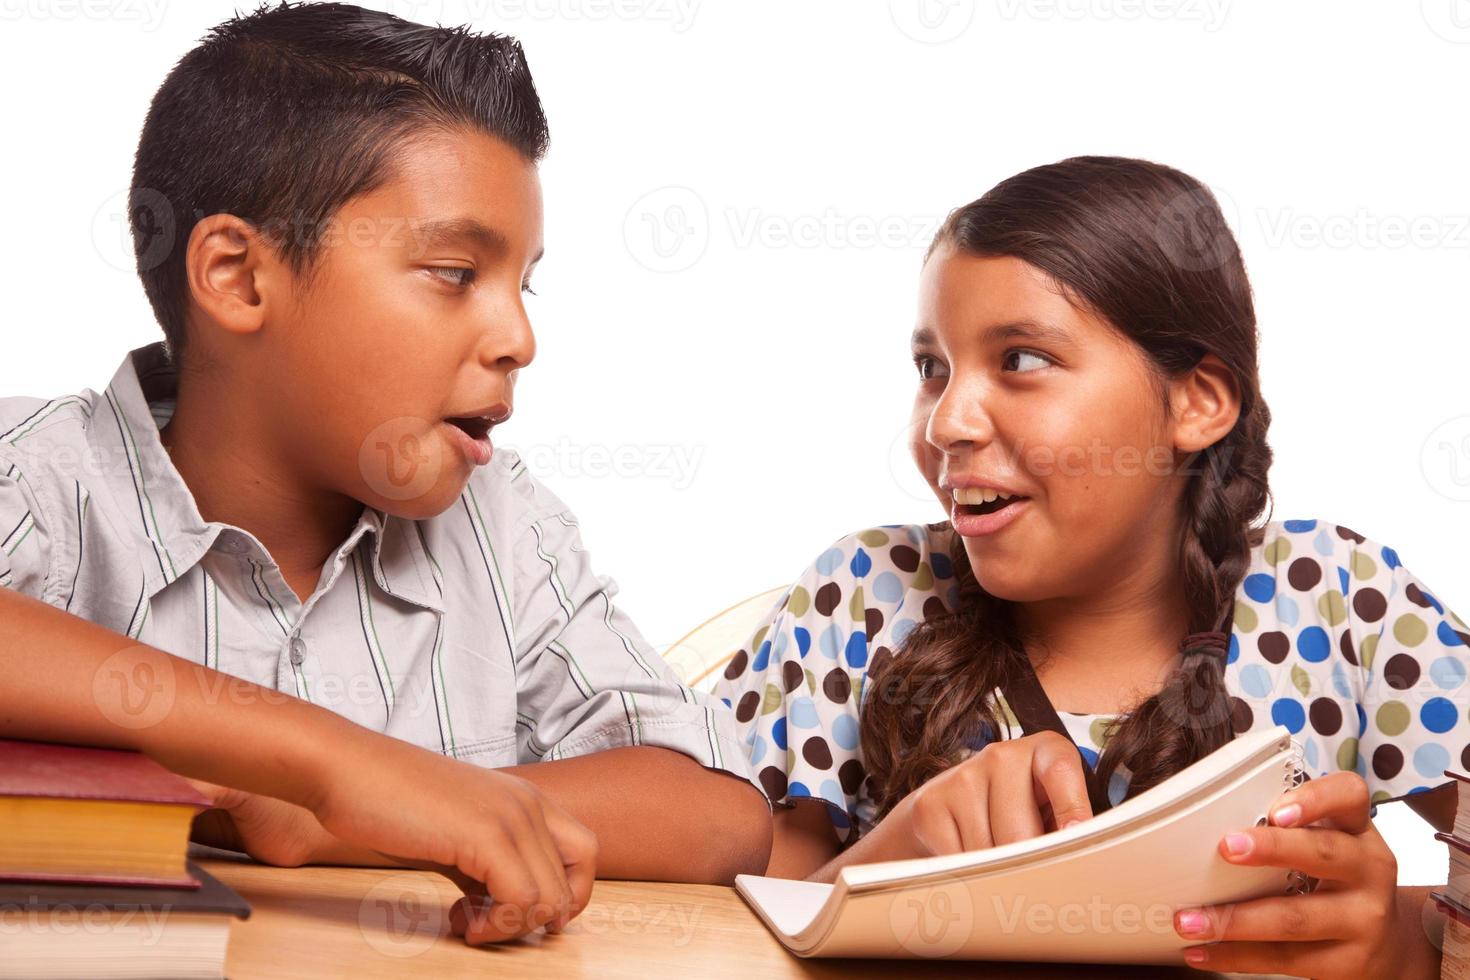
[1089, 413]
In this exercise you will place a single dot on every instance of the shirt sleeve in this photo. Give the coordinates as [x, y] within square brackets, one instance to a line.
[1413, 654]
[24, 535]
[796, 685]
[586, 679]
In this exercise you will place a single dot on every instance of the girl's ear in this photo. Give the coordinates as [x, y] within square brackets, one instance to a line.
[1206, 404]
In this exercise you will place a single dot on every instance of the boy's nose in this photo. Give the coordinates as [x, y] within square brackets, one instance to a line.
[509, 343]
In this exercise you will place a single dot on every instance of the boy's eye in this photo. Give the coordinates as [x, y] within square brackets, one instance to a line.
[1022, 358]
[526, 288]
[929, 367]
[453, 274]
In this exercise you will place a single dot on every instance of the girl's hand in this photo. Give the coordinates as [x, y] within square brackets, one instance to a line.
[1010, 790]
[1349, 927]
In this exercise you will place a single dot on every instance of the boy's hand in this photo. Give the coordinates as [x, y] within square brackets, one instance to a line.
[1010, 790]
[489, 831]
[269, 830]
[1350, 926]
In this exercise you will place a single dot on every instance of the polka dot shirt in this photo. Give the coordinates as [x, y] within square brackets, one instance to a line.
[1333, 638]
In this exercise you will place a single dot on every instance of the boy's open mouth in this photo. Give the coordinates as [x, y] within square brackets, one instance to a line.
[475, 428]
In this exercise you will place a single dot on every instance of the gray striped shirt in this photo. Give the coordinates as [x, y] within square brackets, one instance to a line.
[482, 633]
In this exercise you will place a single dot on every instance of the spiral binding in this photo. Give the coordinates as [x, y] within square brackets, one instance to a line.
[1297, 882]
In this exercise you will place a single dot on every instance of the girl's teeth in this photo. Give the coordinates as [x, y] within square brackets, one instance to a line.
[978, 495]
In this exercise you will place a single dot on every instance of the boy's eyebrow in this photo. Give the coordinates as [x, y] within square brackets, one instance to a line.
[454, 230]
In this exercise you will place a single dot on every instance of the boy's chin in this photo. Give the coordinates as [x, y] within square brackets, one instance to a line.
[431, 503]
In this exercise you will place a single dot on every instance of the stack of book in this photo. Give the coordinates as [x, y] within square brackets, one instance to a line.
[1454, 900]
[95, 879]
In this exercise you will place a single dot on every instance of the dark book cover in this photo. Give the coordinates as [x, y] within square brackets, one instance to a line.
[212, 897]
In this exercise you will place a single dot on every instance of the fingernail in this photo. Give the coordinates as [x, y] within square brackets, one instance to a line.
[1238, 844]
[1071, 823]
[1194, 956]
[1192, 923]
[1288, 815]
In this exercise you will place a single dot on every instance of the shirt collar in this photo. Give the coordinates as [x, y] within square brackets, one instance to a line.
[172, 534]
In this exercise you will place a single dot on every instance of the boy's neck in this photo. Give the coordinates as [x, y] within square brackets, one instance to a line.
[237, 479]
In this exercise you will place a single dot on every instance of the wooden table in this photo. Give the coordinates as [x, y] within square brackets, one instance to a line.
[360, 922]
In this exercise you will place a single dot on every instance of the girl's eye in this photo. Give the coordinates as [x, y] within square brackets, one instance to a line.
[449, 272]
[1023, 357]
[929, 367]
[526, 288]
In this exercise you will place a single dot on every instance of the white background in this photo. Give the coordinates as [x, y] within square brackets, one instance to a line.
[738, 197]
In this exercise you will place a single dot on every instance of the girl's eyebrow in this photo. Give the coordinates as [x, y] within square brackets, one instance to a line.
[1032, 330]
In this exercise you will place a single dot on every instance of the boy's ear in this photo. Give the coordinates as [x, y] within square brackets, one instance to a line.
[227, 263]
[1206, 404]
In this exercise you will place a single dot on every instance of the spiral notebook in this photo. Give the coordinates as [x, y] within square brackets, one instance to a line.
[1102, 891]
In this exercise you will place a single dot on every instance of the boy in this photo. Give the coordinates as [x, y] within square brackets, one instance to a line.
[335, 213]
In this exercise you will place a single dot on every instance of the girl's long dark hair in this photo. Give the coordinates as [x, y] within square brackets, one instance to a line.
[1147, 248]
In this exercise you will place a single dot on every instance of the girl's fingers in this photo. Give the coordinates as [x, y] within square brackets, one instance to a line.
[1295, 959]
[1339, 800]
[1320, 852]
[972, 819]
[935, 826]
[1014, 813]
[1288, 918]
[1056, 767]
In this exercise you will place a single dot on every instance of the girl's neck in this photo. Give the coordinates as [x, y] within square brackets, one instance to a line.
[1103, 652]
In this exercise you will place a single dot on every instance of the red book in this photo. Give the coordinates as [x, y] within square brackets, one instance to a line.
[81, 814]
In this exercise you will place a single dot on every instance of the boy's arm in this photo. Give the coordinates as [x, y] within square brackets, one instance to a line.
[606, 728]
[648, 808]
[70, 680]
[659, 815]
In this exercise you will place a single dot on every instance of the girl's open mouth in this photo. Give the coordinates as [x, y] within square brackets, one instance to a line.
[977, 511]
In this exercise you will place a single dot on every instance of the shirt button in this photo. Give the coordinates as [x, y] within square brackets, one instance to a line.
[232, 543]
[298, 650]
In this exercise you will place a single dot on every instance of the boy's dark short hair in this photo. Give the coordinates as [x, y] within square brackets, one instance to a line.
[281, 116]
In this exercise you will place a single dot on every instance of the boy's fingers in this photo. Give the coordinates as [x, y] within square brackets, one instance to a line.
[1339, 800]
[1057, 768]
[578, 847]
[223, 797]
[556, 891]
